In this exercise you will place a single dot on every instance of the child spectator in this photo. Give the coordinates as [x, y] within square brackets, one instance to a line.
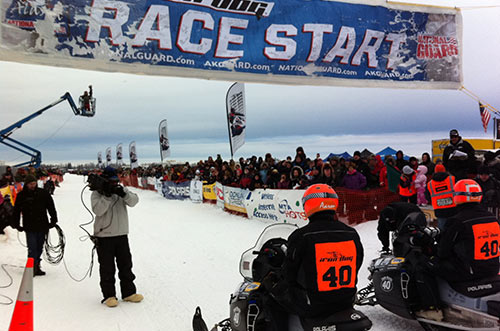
[421, 184]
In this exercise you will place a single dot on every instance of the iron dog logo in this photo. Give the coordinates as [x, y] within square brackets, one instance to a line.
[249, 7]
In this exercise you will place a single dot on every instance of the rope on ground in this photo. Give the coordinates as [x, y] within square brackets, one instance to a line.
[19, 239]
[486, 105]
[54, 253]
[9, 300]
[83, 238]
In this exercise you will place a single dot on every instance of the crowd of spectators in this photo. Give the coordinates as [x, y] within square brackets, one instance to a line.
[356, 173]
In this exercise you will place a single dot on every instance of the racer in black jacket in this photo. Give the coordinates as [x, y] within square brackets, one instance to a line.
[468, 248]
[322, 262]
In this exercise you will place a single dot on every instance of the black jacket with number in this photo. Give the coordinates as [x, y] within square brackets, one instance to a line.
[316, 285]
[470, 243]
[34, 205]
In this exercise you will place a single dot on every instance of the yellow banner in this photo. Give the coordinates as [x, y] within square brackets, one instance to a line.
[209, 192]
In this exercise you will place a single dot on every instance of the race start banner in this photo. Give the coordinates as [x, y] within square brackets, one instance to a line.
[164, 143]
[236, 116]
[313, 42]
[133, 155]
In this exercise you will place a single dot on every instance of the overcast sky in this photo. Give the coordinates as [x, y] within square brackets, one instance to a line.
[279, 118]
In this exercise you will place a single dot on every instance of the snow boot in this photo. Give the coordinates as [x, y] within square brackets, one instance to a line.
[111, 302]
[134, 298]
[37, 271]
[431, 314]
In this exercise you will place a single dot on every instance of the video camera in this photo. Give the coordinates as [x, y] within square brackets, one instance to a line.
[98, 183]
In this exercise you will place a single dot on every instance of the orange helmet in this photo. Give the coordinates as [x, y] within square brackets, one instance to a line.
[319, 197]
[467, 190]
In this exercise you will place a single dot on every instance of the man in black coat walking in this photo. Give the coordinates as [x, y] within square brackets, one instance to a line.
[34, 203]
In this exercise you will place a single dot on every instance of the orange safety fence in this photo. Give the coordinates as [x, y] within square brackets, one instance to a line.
[360, 206]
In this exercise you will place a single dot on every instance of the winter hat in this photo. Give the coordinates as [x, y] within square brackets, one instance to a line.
[110, 173]
[407, 170]
[439, 168]
[29, 179]
[482, 170]
[454, 133]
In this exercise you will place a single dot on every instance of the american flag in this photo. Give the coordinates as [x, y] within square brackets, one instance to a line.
[485, 116]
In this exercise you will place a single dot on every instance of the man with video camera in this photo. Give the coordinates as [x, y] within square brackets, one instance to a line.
[109, 203]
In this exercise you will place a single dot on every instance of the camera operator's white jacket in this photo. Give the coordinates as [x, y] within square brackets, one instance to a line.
[111, 213]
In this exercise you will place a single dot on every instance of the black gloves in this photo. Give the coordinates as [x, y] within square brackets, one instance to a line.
[270, 280]
[118, 190]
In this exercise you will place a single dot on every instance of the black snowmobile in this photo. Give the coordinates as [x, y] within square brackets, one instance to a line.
[472, 306]
[246, 309]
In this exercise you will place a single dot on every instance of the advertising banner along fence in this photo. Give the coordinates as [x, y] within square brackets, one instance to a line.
[164, 143]
[313, 42]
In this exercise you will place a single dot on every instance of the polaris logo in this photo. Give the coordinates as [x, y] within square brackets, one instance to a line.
[479, 287]
[249, 7]
[325, 328]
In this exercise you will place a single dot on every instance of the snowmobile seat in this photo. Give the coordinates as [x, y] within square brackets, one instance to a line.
[478, 288]
[345, 320]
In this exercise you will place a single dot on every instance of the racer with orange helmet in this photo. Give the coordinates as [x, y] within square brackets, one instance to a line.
[469, 245]
[322, 262]
[468, 250]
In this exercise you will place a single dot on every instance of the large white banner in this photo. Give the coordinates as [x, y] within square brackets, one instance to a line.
[164, 142]
[314, 42]
[196, 191]
[236, 116]
[219, 192]
[234, 199]
[277, 206]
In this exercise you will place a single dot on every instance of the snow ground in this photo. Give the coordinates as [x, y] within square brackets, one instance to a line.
[185, 255]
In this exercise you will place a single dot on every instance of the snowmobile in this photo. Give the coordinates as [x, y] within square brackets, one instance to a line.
[472, 306]
[246, 310]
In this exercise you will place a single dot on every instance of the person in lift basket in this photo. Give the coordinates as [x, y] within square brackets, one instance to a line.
[109, 203]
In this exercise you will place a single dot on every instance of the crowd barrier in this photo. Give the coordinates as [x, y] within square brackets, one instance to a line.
[268, 204]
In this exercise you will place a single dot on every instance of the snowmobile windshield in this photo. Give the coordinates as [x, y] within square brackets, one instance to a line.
[274, 231]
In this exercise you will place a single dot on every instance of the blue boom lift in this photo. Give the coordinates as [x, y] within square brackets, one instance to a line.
[84, 109]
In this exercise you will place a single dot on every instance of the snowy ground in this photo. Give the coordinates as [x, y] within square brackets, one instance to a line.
[185, 255]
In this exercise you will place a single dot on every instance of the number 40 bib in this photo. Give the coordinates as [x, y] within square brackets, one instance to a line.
[486, 240]
[335, 265]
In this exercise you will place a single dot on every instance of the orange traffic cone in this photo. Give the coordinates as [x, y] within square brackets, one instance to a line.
[22, 318]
